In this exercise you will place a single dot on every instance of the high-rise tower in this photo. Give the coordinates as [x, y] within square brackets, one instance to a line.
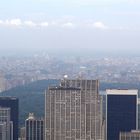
[73, 111]
[3, 131]
[12, 103]
[34, 128]
[6, 125]
[121, 112]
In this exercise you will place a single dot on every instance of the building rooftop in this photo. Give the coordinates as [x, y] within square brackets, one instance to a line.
[63, 88]
[31, 116]
[122, 92]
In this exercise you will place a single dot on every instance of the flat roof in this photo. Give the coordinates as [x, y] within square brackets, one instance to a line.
[63, 88]
[122, 92]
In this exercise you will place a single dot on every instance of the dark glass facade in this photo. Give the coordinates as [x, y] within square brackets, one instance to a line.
[139, 110]
[12, 103]
[121, 115]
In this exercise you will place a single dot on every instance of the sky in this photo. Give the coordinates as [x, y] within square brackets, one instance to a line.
[75, 27]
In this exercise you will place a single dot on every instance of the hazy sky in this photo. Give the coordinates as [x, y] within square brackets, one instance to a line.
[70, 26]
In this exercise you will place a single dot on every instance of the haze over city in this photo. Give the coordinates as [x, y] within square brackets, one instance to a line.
[76, 27]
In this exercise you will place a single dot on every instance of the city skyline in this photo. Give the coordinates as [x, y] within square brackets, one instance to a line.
[45, 40]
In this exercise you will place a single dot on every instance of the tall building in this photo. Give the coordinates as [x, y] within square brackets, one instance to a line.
[121, 112]
[73, 111]
[12, 103]
[34, 128]
[139, 110]
[133, 135]
[2, 82]
[3, 131]
[6, 123]
[22, 133]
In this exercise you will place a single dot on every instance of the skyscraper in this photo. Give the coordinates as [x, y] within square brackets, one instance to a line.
[73, 111]
[12, 103]
[121, 112]
[3, 131]
[22, 133]
[6, 123]
[34, 128]
[139, 110]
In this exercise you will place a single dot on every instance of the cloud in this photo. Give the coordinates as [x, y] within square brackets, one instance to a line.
[19, 23]
[62, 23]
[99, 25]
[16, 22]
[1, 22]
[68, 25]
[12, 22]
[30, 23]
[44, 24]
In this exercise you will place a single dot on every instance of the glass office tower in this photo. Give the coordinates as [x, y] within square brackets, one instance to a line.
[121, 112]
[139, 110]
[12, 103]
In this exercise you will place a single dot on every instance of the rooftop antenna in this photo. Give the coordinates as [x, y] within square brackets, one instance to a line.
[65, 76]
[63, 81]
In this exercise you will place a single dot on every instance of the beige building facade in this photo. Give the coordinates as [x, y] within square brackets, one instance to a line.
[73, 111]
[133, 135]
